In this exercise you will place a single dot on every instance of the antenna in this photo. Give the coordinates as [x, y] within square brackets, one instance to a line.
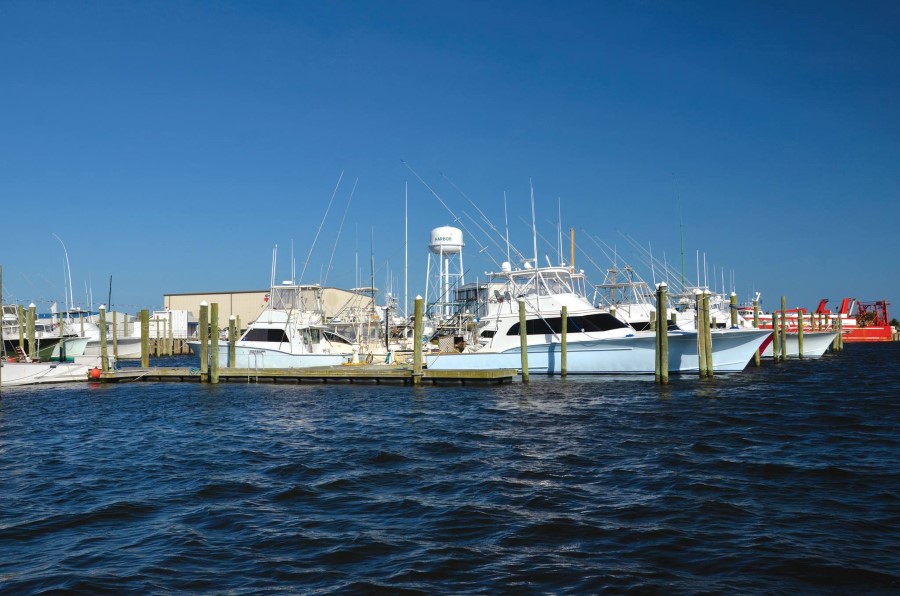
[506, 221]
[406, 248]
[681, 231]
[322, 223]
[71, 299]
[559, 228]
[293, 265]
[340, 229]
[533, 224]
[274, 260]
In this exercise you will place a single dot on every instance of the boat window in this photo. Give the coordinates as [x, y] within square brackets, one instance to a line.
[577, 324]
[266, 335]
[488, 333]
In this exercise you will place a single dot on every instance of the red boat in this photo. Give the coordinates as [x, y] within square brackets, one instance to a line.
[861, 321]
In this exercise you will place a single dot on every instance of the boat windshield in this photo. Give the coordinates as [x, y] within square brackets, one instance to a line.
[542, 282]
[294, 297]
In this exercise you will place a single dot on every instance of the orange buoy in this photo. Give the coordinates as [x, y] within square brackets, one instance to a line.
[95, 373]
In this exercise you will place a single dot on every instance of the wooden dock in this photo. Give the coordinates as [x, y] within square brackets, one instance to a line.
[359, 374]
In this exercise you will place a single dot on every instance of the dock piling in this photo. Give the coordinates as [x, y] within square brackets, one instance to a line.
[523, 340]
[563, 357]
[214, 341]
[145, 338]
[417, 341]
[801, 322]
[662, 337]
[756, 356]
[104, 344]
[204, 341]
[707, 333]
[783, 328]
[701, 339]
[232, 340]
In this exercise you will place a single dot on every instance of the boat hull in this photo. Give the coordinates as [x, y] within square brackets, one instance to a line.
[256, 358]
[635, 354]
[128, 348]
[815, 344]
[40, 373]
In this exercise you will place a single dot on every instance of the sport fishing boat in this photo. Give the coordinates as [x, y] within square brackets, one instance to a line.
[288, 334]
[597, 341]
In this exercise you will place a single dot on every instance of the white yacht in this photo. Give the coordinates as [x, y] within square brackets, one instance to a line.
[597, 342]
[288, 334]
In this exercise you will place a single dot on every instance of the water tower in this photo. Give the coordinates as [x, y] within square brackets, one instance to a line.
[445, 271]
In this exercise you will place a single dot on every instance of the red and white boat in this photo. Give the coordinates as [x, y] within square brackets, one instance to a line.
[861, 321]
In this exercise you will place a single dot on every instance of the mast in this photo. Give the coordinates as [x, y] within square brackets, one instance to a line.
[681, 231]
[572, 258]
[506, 221]
[406, 249]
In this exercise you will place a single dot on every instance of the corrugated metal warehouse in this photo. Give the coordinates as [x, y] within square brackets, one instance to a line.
[248, 304]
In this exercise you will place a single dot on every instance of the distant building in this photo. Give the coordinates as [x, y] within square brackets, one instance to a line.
[248, 304]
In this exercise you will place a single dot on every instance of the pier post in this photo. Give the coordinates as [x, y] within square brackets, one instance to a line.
[104, 346]
[523, 340]
[115, 336]
[232, 340]
[21, 312]
[701, 339]
[776, 337]
[81, 324]
[662, 337]
[32, 345]
[156, 349]
[214, 341]
[652, 320]
[756, 326]
[564, 356]
[707, 332]
[170, 345]
[204, 341]
[145, 338]
[417, 341]
[733, 308]
[1, 326]
[62, 340]
[784, 328]
[801, 322]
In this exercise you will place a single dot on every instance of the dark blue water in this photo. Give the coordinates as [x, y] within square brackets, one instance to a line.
[782, 479]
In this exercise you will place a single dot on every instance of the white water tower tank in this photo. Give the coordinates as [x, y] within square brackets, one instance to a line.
[446, 240]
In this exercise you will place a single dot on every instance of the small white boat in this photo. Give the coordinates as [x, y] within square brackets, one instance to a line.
[288, 334]
[38, 373]
[815, 344]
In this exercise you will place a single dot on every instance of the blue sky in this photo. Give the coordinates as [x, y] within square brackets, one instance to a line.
[171, 145]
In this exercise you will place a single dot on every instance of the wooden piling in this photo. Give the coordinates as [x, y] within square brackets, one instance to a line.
[156, 338]
[417, 341]
[145, 338]
[32, 344]
[62, 342]
[707, 331]
[214, 343]
[104, 346]
[115, 334]
[662, 337]
[701, 339]
[21, 313]
[734, 310]
[204, 341]
[232, 340]
[523, 340]
[170, 346]
[756, 356]
[783, 328]
[652, 320]
[801, 322]
[563, 356]
[776, 337]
